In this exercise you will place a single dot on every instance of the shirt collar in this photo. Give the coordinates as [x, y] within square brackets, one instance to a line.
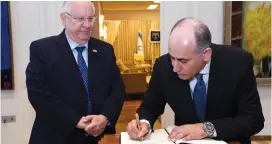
[205, 70]
[73, 44]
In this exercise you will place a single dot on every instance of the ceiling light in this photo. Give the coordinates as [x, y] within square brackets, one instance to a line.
[152, 7]
[157, 1]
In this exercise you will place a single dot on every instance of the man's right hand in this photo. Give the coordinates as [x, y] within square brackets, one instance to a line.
[82, 124]
[136, 132]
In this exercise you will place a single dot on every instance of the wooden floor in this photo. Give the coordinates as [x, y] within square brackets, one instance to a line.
[128, 113]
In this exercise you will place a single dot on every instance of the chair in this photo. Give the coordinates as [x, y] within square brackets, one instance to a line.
[139, 58]
[123, 68]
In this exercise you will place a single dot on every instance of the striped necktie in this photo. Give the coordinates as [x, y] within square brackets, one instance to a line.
[84, 73]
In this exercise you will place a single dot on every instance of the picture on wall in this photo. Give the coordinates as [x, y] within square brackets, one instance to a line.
[257, 35]
[6, 48]
[155, 36]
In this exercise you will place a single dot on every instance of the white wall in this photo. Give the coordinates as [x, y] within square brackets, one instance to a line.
[30, 21]
[265, 96]
[211, 13]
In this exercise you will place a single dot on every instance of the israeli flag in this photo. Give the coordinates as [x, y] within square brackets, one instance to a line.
[140, 48]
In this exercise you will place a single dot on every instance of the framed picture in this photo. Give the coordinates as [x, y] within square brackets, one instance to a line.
[155, 36]
[238, 29]
[7, 82]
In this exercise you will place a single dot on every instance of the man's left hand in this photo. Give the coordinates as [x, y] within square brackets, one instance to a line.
[188, 132]
[97, 125]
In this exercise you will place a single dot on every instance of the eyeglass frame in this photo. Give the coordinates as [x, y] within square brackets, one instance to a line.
[82, 19]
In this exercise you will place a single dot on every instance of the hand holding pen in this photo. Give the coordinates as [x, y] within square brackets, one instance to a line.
[139, 126]
[137, 129]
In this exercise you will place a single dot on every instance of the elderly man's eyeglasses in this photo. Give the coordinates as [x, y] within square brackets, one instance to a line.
[82, 19]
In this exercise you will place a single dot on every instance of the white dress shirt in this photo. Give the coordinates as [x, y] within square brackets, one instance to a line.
[73, 46]
[205, 71]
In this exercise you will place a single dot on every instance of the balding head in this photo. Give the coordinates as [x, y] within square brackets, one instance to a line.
[188, 44]
[201, 33]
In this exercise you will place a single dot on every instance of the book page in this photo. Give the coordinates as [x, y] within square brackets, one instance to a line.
[203, 141]
[159, 136]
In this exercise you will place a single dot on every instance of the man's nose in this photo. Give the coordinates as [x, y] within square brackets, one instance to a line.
[87, 24]
[175, 66]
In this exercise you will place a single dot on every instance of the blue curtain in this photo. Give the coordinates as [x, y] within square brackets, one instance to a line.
[6, 62]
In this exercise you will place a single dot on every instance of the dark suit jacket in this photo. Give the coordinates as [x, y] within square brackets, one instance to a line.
[57, 93]
[233, 103]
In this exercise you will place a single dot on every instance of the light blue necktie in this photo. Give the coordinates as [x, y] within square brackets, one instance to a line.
[84, 73]
[199, 96]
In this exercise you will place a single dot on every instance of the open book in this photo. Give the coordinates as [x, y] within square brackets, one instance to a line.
[160, 136]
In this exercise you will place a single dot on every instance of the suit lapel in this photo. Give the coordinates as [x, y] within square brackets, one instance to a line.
[182, 99]
[93, 65]
[69, 62]
[215, 84]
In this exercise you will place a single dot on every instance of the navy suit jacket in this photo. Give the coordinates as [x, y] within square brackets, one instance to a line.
[56, 90]
[233, 102]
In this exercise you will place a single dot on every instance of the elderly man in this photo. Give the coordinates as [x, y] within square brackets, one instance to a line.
[73, 82]
[211, 89]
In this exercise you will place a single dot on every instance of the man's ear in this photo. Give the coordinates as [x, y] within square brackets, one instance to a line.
[62, 17]
[207, 55]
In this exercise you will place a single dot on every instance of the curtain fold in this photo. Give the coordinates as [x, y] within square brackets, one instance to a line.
[112, 30]
[124, 38]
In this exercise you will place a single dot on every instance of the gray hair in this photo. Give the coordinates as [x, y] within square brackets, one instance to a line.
[202, 33]
[66, 6]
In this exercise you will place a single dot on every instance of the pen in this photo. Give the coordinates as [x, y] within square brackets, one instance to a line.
[168, 134]
[138, 123]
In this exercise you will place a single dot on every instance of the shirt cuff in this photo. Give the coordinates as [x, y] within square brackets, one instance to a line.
[146, 121]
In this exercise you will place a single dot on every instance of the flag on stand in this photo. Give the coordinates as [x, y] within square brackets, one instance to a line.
[140, 48]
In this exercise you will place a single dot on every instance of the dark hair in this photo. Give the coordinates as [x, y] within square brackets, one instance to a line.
[202, 33]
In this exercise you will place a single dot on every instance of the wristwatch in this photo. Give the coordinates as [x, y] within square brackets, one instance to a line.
[208, 127]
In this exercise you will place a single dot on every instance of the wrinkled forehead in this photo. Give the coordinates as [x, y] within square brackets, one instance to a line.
[83, 8]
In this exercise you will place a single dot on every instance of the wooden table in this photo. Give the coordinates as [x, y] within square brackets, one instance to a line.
[114, 139]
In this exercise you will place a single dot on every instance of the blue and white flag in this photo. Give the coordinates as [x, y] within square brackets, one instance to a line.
[140, 48]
